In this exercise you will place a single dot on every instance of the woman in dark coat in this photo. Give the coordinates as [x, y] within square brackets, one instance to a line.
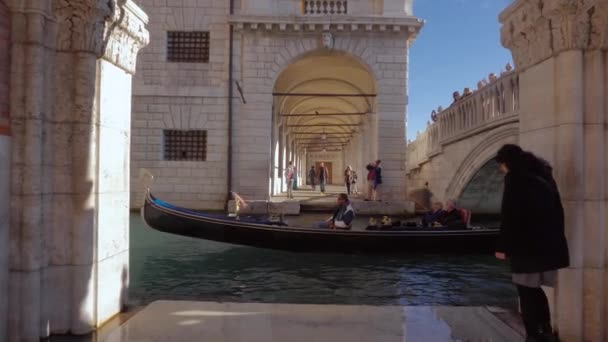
[532, 234]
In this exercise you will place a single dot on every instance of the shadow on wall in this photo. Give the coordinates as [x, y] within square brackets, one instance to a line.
[422, 198]
[483, 194]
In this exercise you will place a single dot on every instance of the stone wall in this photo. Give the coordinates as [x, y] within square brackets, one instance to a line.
[188, 183]
[560, 48]
[5, 159]
[70, 121]
[182, 96]
[5, 54]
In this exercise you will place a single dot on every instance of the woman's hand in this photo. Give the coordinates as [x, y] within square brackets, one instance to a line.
[500, 256]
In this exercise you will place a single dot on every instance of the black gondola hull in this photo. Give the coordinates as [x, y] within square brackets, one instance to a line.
[299, 239]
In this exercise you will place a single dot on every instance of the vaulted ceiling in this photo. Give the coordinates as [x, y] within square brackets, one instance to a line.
[318, 109]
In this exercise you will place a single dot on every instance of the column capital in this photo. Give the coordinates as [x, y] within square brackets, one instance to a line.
[535, 30]
[113, 30]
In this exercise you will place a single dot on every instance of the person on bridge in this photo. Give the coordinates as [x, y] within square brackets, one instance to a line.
[342, 218]
[532, 234]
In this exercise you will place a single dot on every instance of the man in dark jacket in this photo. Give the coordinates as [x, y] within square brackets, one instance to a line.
[377, 180]
[323, 176]
[532, 234]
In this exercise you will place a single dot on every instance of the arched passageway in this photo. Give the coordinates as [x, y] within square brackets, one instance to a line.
[323, 111]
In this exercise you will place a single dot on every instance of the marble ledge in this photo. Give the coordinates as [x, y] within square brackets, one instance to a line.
[211, 321]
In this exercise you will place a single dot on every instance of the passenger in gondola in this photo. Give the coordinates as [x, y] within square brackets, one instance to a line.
[342, 218]
[434, 215]
[452, 217]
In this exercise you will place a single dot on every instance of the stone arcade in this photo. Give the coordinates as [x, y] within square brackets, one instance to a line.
[315, 84]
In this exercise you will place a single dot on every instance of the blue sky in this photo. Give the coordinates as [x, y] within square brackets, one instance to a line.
[458, 45]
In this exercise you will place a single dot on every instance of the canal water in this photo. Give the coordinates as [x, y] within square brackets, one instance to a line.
[165, 266]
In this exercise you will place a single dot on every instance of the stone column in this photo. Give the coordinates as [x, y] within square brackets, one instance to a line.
[560, 49]
[72, 63]
[390, 132]
[5, 161]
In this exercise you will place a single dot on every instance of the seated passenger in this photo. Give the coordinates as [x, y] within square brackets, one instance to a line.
[452, 217]
[434, 215]
[342, 218]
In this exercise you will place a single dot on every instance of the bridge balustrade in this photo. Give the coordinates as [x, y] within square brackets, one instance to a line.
[487, 106]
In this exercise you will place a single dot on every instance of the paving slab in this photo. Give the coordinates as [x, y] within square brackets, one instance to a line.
[253, 322]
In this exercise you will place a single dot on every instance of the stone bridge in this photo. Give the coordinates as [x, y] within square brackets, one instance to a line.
[452, 158]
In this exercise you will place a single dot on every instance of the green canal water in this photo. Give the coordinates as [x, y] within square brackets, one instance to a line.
[165, 266]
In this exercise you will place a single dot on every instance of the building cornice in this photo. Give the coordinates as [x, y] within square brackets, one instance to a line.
[343, 23]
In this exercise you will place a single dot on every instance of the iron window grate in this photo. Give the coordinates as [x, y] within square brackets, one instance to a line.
[190, 145]
[188, 46]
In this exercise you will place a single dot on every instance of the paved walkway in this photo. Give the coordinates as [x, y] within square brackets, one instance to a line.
[174, 321]
[307, 195]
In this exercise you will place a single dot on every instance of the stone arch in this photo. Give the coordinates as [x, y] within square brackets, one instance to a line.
[303, 48]
[478, 157]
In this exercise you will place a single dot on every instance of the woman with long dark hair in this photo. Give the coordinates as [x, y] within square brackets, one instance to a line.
[532, 235]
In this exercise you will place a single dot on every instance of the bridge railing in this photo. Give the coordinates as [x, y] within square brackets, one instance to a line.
[489, 105]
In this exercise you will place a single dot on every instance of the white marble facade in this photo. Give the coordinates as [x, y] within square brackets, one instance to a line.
[278, 47]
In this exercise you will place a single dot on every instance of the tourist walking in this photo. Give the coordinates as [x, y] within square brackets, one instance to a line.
[323, 175]
[377, 180]
[370, 181]
[312, 175]
[532, 235]
[354, 188]
[348, 178]
[289, 176]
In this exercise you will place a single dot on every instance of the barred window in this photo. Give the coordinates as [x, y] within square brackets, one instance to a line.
[185, 145]
[188, 46]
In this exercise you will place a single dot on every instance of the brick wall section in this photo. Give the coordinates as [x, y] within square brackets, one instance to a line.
[192, 184]
[4, 67]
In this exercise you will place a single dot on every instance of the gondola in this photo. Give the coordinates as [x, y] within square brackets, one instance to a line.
[256, 232]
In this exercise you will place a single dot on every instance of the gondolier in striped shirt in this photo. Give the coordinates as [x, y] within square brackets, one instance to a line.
[343, 217]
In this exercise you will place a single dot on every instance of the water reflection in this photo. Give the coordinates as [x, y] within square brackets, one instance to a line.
[164, 266]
